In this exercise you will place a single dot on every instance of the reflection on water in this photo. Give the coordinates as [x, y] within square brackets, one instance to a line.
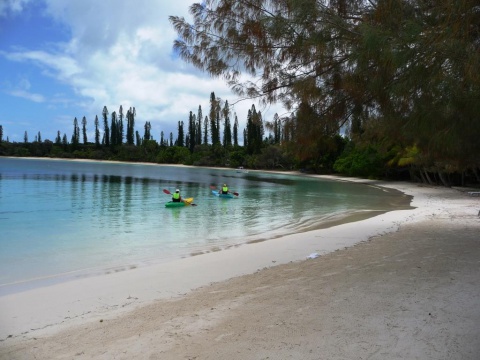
[79, 217]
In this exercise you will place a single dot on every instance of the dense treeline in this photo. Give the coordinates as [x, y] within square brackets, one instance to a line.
[382, 88]
[209, 141]
[267, 145]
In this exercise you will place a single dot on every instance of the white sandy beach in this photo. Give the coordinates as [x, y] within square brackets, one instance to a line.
[402, 285]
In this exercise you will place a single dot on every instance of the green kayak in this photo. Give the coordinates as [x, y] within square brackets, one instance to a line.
[185, 202]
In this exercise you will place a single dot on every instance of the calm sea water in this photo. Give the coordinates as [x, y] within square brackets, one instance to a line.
[63, 219]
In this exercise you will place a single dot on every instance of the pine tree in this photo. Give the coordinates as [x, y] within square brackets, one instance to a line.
[181, 136]
[227, 128]
[106, 129]
[217, 125]
[97, 132]
[255, 131]
[131, 126]
[138, 138]
[148, 128]
[277, 126]
[214, 131]
[76, 133]
[205, 132]
[120, 125]
[198, 139]
[191, 132]
[84, 130]
[235, 131]
[114, 130]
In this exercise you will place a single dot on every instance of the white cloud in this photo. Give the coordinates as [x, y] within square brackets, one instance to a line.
[29, 96]
[120, 53]
[12, 6]
[63, 67]
[22, 90]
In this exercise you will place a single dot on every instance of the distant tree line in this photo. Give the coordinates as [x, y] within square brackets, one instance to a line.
[272, 145]
[212, 140]
[378, 89]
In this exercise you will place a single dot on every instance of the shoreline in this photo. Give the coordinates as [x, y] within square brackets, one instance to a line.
[49, 313]
[14, 285]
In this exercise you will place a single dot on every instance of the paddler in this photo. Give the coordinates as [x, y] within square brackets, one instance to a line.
[224, 189]
[176, 196]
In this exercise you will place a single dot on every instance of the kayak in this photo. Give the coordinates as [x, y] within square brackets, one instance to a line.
[185, 202]
[219, 194]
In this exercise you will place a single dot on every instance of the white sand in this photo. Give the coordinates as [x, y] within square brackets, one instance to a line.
[410, 294]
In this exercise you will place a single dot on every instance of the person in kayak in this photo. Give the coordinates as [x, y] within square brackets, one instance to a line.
[225, 189]
[176, 197]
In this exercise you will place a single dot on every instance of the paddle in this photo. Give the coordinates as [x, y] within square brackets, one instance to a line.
[215, 188]
[169, 193]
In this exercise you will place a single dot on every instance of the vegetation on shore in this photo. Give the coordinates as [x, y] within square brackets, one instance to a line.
[379, 89]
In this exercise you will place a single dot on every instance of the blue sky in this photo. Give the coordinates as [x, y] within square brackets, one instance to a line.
[63, 59]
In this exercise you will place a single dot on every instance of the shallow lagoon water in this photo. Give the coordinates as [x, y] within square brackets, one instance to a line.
[64, 219]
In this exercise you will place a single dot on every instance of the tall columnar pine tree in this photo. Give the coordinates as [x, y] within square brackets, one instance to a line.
[277, 129]
[198, 139]
[25, 137]
[131, 126]
[255, 131]
[84, 130]
[148, 129]
[120, 125]
[106, 129]
[76, 133]
[205, 131]
[191, 132]
[227, 128]
[113, 129]
[58, 139]
[181, 135]
[235, 131]
[1, 133]
[218, 117]
[138, 138]
[118, 131]
[97, 132]
[214, 111]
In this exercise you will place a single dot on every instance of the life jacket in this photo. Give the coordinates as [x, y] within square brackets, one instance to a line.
[225, 190]
[176, 197]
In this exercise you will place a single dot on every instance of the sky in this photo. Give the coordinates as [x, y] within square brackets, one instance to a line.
[66, 59]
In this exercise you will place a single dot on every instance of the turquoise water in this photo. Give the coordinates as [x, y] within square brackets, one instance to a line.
[63, 219]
